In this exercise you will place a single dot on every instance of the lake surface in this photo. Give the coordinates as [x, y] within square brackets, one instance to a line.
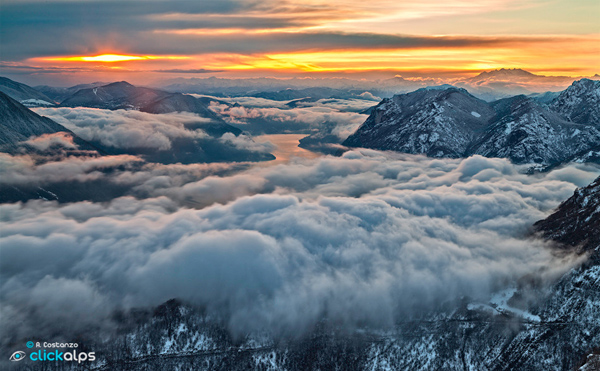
[287, 147]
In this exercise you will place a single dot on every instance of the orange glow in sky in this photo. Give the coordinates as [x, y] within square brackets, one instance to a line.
[283, 38]
[110, 58]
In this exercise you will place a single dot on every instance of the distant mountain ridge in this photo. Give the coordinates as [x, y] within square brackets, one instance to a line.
[453, 123]
[58, 94]
[488, 85]
[123, 95]
[117, 95]
[505, 73]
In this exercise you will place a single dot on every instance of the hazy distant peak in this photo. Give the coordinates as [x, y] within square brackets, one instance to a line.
[506, 72]
[440, 92]
[119, 84]
[443, 87]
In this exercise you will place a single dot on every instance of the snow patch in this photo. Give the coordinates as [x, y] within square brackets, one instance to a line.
[35, 103]
[500, 302]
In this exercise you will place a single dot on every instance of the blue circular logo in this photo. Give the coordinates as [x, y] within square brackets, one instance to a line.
[30, 344]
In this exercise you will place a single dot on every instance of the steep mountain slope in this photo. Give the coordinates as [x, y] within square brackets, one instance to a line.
[576, 298]
[18, 124]
[453, 123]
[580, 102]
[576, 222]
[439, 123]
[24, 93]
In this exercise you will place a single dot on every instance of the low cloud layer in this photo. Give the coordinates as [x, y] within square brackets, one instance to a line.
[181, 137]
[125, 128]
[22, 170]
[244, 142]
[307, 117]
[47, 141]
[363, 240]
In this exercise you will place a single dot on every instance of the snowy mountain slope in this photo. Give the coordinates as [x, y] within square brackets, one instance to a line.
[576, 222]
[580, 102]
[439, 123]
[453, 123]
[24, 93]
[526, 132]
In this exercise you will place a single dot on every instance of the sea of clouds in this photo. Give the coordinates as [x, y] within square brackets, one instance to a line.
[264, 116]
[365, 239]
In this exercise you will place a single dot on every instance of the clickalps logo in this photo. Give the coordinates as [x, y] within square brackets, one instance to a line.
[53, 354]
[17, 356]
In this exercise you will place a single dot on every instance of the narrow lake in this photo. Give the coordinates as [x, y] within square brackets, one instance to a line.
[287, 147]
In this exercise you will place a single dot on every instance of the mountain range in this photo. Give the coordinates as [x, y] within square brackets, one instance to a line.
[453, 123]
[116, 95]
[58, 94]
[488, 85]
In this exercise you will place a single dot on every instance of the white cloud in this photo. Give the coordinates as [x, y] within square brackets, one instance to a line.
[125, 128]
[46, 141]
[22, 170]
[316, 115]
[361, 239]
[244, 142]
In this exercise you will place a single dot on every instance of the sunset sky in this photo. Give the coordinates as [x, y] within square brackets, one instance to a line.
[72, 41]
